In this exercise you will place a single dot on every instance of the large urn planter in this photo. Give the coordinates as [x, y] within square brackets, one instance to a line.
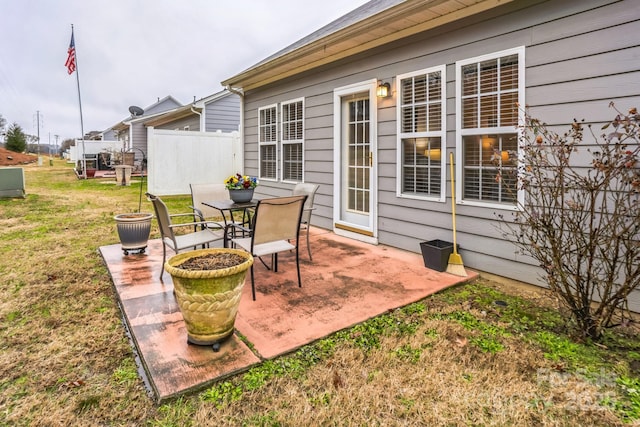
[209, 298]
[133, 231]
[133, 228]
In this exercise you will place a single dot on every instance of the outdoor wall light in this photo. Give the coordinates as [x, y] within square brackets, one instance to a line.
[384, 90]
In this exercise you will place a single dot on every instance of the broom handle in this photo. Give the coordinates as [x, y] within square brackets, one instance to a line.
[453, 202]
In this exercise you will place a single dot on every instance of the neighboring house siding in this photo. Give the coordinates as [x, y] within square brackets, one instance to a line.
[192, 122]
[579, 55]
[139, 140]
[223, 114]
[164, 104]
[108, 135]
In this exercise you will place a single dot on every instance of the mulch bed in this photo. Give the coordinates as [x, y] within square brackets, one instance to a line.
[11, 158]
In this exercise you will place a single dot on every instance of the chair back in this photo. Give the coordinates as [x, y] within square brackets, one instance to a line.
[207, 193]
[310, 191]
[162, 216]
[277, 219]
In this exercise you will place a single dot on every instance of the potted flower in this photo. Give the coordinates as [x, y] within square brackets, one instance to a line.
[241, 187]
[134, 228]
[208, 287]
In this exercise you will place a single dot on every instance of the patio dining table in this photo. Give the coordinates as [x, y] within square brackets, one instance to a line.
[228, 206]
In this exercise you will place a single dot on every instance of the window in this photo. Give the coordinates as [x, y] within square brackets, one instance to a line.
[292, 114]
[421, 131]
[267, 142]
[489, 90]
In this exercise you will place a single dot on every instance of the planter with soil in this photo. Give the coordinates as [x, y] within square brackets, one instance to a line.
[208, 286]
[133, 230]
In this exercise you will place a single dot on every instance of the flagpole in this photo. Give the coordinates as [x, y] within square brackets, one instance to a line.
[84, 160]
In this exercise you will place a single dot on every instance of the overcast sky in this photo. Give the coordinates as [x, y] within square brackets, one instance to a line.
[132, 52]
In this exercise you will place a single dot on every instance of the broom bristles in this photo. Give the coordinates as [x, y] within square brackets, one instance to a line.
[455, 265]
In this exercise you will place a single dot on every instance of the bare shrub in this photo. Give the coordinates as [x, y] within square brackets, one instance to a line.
[579, 218]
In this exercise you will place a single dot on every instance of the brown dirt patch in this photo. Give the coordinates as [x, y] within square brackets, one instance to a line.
[11, 158]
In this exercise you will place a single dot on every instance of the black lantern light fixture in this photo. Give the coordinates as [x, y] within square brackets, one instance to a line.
[383, 90]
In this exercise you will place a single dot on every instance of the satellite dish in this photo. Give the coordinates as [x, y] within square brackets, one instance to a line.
[136, 111]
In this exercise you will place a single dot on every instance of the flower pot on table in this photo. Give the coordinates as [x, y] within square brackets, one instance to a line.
[242, 195]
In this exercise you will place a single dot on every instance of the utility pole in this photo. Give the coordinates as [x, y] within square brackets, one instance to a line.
[56, 137]
[38, 136]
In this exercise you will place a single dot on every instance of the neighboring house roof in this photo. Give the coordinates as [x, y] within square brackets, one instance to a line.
[149, 112]
[200, 103]
[373, 24]
[159, 106]
[173, 115]
[187, 110]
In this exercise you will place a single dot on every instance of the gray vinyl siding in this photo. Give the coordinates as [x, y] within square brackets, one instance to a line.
[139, 133]
[579, 56]
[193, 121]
[164, 104]
[223, 114]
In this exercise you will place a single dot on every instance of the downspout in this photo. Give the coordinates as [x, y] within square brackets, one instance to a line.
[200, 121]
[240, 93]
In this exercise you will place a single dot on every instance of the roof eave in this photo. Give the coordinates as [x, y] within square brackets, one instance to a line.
[369, 29]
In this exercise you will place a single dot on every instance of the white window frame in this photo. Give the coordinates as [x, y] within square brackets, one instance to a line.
[262, 143]
[442, 134]
[284, 142]
[460, 132]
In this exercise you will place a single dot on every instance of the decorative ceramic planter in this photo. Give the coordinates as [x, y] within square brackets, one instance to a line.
[242, 195]
[133, 230]
[208, 299]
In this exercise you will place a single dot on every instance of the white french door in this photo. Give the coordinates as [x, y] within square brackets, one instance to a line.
[354, 151]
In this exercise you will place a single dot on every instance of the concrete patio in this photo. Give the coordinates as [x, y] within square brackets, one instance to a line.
[347, 283]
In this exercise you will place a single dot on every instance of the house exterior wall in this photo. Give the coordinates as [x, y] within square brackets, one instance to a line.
[222, 114]
[108, 135]
[579, 56]
[192, 121]
[164, 104]
[138, 138]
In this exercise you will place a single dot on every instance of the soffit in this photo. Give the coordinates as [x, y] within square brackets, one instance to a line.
[173, 116]
[397, 22]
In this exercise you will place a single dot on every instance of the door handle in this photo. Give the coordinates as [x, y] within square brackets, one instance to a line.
[370, 159]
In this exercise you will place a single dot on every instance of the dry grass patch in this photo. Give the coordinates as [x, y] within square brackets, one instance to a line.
[456, 358]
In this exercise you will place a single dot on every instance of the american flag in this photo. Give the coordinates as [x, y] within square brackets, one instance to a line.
[71, 56]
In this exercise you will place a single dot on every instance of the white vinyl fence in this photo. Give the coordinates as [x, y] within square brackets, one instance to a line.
[92, 149]
[179, 158]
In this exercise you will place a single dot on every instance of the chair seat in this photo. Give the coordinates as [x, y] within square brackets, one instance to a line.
[197, 238]
[264, 248]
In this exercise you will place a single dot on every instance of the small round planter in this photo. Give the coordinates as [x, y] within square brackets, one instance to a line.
[133, 230]
[208, 299]
[243, 195]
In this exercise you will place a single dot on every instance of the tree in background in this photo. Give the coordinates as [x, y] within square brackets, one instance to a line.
[580, 219]
[15, 139]
[3, 123]
[66, 144]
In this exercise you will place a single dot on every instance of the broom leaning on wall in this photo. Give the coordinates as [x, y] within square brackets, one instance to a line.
[455, 265]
